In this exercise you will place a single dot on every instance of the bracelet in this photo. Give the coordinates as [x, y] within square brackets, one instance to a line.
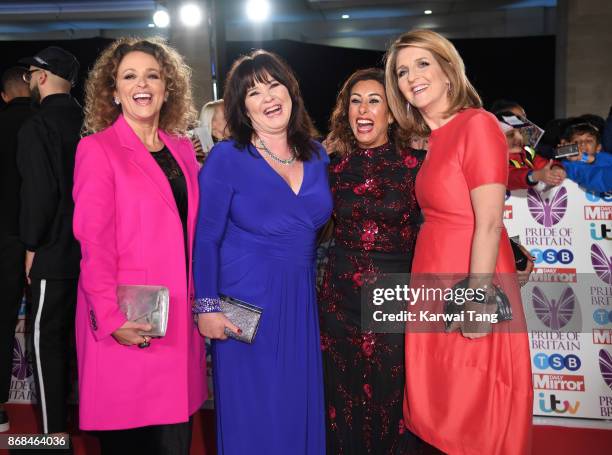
[206, 305]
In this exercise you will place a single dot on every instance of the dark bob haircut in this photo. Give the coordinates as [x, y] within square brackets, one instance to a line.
[262, 66]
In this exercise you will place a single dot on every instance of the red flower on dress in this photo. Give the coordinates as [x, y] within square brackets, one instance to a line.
[402, 427]
[410, 161]
[360, 189]
[332, 412]
[370, 229]
[358, 278]
[368, 344]
[367, 389]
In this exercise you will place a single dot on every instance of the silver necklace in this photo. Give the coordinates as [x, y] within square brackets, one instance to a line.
[286, 162]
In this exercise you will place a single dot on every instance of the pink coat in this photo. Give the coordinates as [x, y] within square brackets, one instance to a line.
[130, 233]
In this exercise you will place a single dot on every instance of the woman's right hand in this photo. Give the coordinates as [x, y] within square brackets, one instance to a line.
[127, 334]
[212, 325]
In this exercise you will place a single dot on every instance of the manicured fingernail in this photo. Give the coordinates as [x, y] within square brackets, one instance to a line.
[239, 331]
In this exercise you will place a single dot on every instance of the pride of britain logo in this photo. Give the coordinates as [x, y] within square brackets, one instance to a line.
[602, 264]
[547, 208]
[21, 367]
[605, 366]
[554, 314]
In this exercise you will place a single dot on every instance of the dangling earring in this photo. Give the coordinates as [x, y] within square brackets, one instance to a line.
[116, 101]
[407, 108]
[166, 97]
[450, 89]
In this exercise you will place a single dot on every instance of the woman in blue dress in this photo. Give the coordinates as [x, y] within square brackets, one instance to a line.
[264, 195]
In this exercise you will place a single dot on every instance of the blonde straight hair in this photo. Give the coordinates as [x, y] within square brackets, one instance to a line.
[204, 131]
[461, 93]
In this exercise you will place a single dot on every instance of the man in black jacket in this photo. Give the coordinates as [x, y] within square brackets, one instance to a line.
[16, 95]
[47, 147]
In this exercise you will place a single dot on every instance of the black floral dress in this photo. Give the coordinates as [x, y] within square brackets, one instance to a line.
[376, 223]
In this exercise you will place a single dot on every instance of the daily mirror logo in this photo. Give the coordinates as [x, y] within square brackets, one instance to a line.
[547, 208]
[566, 382]
[598, 212]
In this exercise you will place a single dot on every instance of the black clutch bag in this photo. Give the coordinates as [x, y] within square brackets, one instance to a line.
[520, 259]
[242, 314]
[498, 297]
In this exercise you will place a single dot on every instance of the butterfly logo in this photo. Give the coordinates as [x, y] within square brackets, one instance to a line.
[602, 264]
[605, 366]
[547, 211]
[21, 367]
[555, 314]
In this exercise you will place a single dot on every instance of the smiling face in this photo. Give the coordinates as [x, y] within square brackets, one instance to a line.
[268, 106]
[421, 80]
[369, 114]
[140, 87]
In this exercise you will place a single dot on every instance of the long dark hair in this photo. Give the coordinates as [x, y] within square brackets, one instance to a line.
[341, 139]
[260, 66]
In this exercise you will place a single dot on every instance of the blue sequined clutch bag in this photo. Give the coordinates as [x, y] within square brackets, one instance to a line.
[242, 314]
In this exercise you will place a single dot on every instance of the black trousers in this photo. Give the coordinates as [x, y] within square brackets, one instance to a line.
[12, 281]
[51, 335]
[172, 439]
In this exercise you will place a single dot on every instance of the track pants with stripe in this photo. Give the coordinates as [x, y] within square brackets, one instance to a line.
[51, 338]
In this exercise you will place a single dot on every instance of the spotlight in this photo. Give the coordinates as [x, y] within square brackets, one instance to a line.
[427, 11]
[161, 18]
[190, 14]
[345, 16]
[258, 10]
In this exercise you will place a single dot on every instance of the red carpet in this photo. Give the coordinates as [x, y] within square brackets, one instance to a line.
[546, 439]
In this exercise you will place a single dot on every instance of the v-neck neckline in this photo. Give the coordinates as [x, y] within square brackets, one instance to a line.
[285, 183]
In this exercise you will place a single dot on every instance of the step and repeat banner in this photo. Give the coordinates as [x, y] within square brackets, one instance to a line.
[568, 300]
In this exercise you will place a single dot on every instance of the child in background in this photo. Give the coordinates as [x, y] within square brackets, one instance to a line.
[591, 169]
[526, 168]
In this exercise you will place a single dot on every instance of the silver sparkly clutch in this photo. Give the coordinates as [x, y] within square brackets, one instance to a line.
[242, 314]
[147, 305]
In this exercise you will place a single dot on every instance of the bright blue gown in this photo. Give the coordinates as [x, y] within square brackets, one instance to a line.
[255, 241]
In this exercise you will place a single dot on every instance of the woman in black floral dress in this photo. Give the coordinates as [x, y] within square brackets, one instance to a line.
[376, 218]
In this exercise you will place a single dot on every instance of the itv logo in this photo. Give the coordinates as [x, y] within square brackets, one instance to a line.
[553, 405]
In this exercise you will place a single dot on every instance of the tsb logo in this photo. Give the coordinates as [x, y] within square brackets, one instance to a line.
[556, 362]
[554, 405]
[602, 317]
[551, 256]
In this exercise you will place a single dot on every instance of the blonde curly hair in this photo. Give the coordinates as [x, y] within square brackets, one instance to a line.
[177, 114]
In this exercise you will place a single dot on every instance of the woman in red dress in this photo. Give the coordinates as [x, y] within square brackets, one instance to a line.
[467, 391]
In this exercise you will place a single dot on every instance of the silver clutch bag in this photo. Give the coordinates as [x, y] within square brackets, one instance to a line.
[145, 304]
[242, 314]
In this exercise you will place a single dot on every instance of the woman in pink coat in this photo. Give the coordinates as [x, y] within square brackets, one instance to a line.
[136, 194]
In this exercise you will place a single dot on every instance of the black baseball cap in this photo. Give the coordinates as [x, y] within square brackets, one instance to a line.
[56, 60]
